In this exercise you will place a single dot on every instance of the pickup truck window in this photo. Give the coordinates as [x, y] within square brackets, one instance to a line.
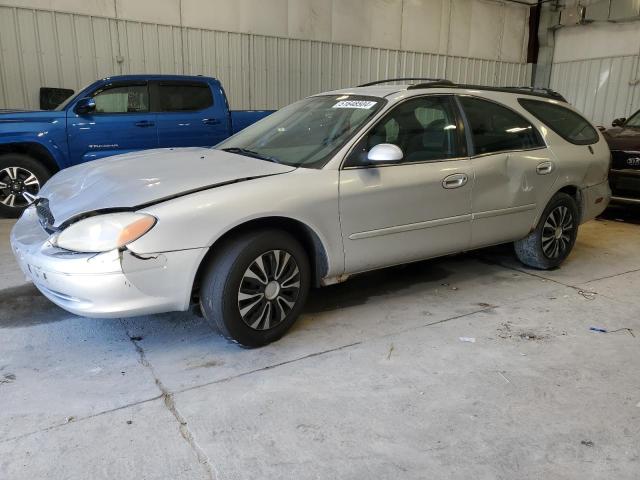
[183, 97]
[306, 133]
[122, 99]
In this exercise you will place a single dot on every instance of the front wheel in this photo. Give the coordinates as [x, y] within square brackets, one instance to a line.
[554, 236]
[21, 178]
[255, 287]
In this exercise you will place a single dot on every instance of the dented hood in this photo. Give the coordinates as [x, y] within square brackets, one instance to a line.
[140, 178]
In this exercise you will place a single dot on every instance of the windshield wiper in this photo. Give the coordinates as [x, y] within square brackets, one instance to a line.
[251, 153]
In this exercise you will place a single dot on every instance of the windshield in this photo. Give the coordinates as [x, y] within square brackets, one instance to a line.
[634, 121]
[306, 133]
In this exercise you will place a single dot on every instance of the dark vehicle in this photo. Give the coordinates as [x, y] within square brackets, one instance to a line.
[112, 116]
[624, 142]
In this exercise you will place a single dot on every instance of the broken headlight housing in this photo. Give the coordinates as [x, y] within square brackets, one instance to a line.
[102, 233]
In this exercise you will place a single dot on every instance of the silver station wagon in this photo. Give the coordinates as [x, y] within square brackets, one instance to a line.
[333, 185]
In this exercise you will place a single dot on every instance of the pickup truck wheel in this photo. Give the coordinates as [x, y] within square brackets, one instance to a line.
[21, 178]
[255, 287]
[554, 236]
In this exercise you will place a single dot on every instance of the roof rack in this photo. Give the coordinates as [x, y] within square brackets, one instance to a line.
[534, 91]
[405, 79]
[546, 91]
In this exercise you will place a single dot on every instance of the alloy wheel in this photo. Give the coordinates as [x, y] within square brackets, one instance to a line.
[557, 232]
[269, 290]
[18, 187]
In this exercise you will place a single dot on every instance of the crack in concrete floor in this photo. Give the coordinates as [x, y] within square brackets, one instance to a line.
[168, 397]
[169, 403]
[165, 393]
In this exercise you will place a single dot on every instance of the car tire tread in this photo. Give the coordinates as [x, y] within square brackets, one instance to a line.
[29, 163]
[218, 291]
[529, 249]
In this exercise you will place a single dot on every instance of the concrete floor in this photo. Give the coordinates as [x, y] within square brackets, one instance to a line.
[372, 382]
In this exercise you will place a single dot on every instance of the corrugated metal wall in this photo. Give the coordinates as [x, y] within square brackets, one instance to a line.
[44, 48]
[601, 88]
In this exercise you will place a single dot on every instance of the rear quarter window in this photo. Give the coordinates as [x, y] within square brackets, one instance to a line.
[565, 122]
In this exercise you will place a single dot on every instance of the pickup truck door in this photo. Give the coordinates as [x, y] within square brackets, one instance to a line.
[121, 123]
[187, 114]
[417, 208]
[514, 172]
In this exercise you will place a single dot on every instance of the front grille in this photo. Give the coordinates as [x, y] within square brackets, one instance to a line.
[45, 216]
[622, 160]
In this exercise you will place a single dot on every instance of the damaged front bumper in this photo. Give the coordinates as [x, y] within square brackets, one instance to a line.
[110, 284]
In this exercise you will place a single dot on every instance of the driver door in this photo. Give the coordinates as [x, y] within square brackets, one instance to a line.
[121, 123]
[418, 207]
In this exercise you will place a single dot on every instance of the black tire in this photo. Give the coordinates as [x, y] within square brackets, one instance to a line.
[548, 246]
[14, 169]
[227, 277]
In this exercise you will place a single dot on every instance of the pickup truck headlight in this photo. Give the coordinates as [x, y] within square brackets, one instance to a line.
[104, 232]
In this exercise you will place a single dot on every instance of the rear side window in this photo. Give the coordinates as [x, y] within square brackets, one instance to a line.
[566, 123]
[495, 128]
[183, 97]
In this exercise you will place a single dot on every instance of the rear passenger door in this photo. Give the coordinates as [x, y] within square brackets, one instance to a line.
[186, 114]
[514, 171]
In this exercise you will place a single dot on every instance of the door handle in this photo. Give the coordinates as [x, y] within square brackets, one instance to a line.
[456, 180]
[211, 121]
[544, 168]
[145, 123]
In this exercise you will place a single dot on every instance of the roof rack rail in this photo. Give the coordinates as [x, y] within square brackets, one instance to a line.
[403, 79]
[444, 83]
[547, 91]
[534, 91]
[433, 84]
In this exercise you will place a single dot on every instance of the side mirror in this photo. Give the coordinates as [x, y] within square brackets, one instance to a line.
[618, 122]
[385, 153]
[85, 105]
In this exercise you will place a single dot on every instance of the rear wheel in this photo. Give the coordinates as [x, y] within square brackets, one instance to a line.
[21, 178]
[554, 236]
[255, 287]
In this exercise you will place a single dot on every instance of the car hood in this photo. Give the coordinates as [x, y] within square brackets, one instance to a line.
[137, 179]
[10, 115]
[624, 143]
[623, 138]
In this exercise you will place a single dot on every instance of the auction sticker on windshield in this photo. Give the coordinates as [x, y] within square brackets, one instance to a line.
[355, 104]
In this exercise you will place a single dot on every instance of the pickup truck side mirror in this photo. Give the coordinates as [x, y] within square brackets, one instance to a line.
[385, 153]
[85, 105]
[618, 122]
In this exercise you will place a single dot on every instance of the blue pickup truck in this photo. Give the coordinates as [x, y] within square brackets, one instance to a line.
[111, 116]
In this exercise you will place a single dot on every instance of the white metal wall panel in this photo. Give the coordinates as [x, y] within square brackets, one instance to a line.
[601, 88]
[44, 48]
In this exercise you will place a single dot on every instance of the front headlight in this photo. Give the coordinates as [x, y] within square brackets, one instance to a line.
[104, 232]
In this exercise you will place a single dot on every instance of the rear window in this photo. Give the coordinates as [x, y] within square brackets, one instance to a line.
[566, 123]
[184, 97]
